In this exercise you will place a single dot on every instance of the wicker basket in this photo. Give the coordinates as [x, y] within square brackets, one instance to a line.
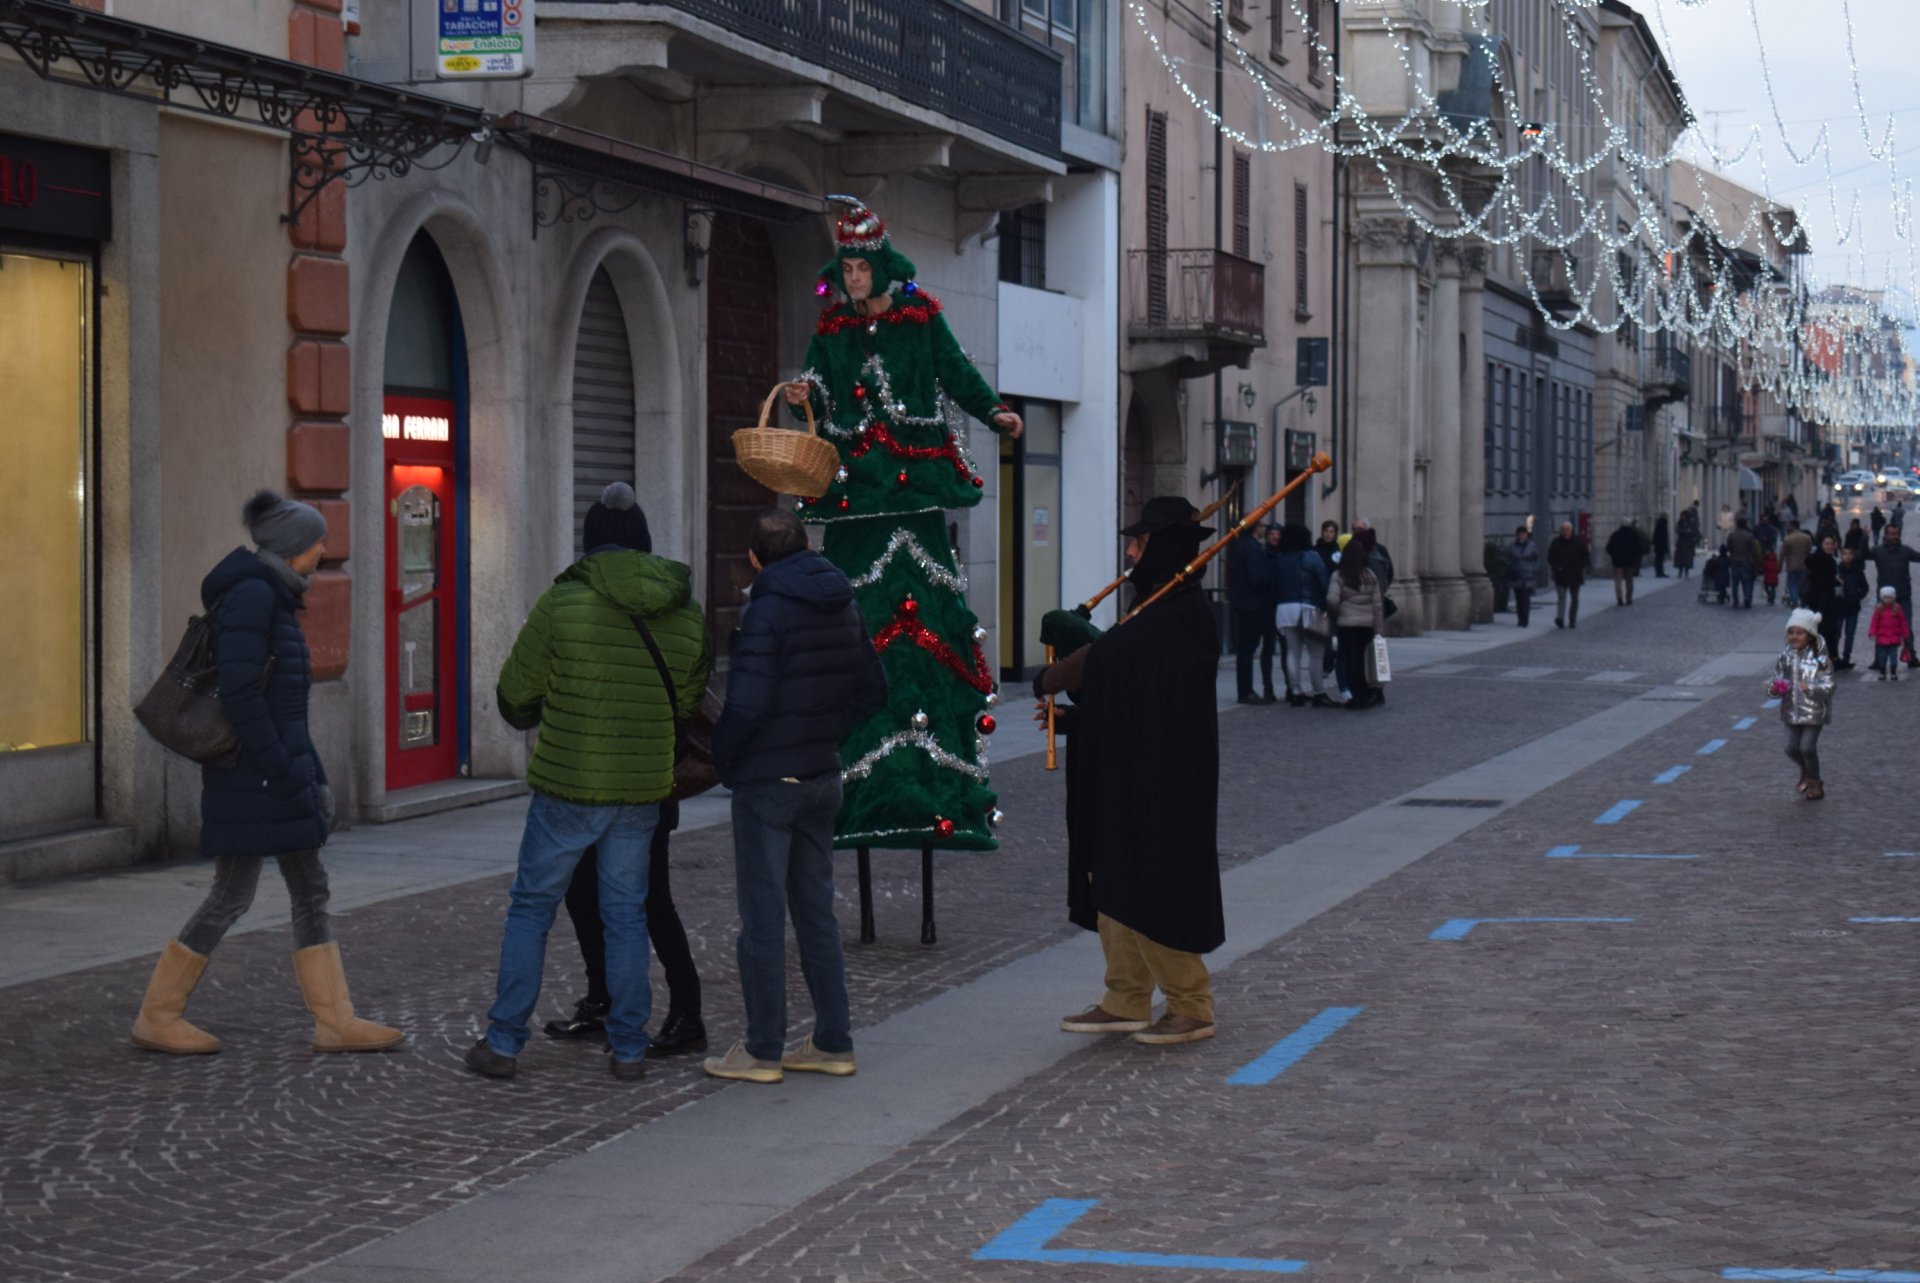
[786, 460]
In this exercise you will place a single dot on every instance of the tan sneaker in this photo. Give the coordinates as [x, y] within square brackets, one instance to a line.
[811, 1060]
[1171, 1029]
[1098, 1020]
[740, 1067]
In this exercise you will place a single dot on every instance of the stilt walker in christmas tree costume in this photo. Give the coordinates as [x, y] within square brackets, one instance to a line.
[883, 371]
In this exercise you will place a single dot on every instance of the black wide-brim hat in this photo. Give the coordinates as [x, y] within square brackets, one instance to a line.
[1164, 512]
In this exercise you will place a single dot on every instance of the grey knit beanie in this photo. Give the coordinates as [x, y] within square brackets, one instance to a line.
[284, 527]
[617, 521]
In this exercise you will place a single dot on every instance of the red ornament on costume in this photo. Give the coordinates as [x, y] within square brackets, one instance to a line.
[859, 391]
[943, 827]
[845, 504]
[978, 483]
[910, 608]
[986, 724]
[902, 478]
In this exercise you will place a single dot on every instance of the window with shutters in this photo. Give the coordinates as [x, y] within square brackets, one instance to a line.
[1156, 217]
[1237, 13]
[1023, 246]
[1311, 38]
[603, 411]
[1242, 205]
[1276, 29]
[1301, 208]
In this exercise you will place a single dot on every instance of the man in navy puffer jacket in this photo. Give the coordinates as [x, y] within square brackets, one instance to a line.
[804, 673]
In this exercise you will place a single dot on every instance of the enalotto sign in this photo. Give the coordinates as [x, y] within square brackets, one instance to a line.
[485, 39]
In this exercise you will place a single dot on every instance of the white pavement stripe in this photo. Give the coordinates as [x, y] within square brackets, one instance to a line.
[648, 1204]
[1611, 677]
[1528, 674]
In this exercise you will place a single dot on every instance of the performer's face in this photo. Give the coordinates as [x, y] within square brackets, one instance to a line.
[1136, 548]
[857, 275]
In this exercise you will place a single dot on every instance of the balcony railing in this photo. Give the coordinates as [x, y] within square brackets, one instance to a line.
[1201, 293]
[937, 54]
[1670, 365]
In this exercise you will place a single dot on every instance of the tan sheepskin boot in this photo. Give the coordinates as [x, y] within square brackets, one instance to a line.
[324, 985]
[161, 1026]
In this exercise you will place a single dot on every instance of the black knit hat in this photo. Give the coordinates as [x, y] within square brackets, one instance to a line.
[617, 521]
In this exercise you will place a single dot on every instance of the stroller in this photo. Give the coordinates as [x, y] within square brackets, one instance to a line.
[1716, 577]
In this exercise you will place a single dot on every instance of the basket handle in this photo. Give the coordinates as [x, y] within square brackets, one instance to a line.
[766, 407]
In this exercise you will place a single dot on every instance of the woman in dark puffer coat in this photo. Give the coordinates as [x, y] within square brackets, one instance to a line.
[273, 799]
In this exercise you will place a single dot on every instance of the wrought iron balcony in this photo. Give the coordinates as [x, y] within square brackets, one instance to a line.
[1202, 308]
[1669, 376]
[937, 54]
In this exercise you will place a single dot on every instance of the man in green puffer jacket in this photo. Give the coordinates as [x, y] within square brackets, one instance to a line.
[582, 671]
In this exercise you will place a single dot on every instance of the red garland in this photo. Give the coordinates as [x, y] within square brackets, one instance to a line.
[877, 431]
[917, 313]
[906, 625]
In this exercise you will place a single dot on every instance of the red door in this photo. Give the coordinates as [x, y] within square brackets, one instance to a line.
[422, 592]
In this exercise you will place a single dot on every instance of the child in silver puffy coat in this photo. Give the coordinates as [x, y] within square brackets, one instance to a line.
[1803, 683]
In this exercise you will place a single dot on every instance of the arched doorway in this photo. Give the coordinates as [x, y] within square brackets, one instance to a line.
[603, 401]
[743, 357]
[424, 452]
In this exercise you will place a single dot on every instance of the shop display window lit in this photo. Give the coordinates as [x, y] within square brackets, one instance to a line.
[45, 311]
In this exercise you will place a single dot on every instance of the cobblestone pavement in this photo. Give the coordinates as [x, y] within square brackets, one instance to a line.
[1725, 1082]
[1523, 1103]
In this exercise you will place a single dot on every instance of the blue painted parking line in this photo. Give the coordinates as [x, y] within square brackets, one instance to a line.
[1745, 723]
[1711, 746]
[1772, 703]
[1027, 1239]
[1617, 812]
[1901, 855]
[1286, 1053]
[1854, 1276]
[1460, 928]
[1575, 853]
[1869, 920]
[1671, 774]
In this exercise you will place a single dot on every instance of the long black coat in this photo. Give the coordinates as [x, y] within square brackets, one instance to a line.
[267, 802]
[1143, 779]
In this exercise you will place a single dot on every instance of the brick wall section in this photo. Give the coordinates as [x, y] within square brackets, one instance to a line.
[319, 365]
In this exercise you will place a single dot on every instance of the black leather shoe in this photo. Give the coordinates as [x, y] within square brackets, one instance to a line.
[680, 1035]
[589, 1023]
[627, 1071]
[484, 1060]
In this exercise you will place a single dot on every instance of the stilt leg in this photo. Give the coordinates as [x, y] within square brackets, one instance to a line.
[866, 896]
[927, 935]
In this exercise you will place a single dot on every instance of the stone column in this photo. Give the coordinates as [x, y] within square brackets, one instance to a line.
[1448, 603]
[1473, 459]
[1385, 375]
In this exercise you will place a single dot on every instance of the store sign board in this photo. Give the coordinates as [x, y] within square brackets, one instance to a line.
[54, 189]
[484, 39]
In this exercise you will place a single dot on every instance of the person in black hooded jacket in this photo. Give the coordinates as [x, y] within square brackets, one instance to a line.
[804, 674]
[272, 799]
[1143, 867]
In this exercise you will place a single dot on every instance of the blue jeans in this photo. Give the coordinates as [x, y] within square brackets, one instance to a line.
[557, 834]
[1796, 579]
[783, 862]
[1743, 583]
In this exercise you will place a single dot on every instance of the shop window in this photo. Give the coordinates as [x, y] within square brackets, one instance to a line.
[1023, 246]
[45, 576]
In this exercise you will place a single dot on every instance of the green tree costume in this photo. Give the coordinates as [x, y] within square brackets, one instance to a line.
[882, 387]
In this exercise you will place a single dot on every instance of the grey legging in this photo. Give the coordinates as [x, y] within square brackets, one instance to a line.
[1803, 746]
[234, 881]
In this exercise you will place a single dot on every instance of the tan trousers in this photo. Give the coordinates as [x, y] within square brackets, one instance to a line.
[1136, 966]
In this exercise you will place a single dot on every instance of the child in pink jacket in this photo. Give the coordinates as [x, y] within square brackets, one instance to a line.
[1888, 628]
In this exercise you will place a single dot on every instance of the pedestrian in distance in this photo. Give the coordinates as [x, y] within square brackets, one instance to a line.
[1767, 530]
[612, 659]
[1143, 865]
[272, 800]
[803, 674]
[1820, 593]
[1898, 517]
[1523, 572]
[1357, 607]
[1662, 544]
[1893, 568]
[1624, 550]
[1328, 545]
[1250, 595]
[1879, 520]
[1744, 556]
[1686, 540]
[1726, 520]
[1852, 595]
[1856, 540]
[681, 1030]
[1770, 573]
[1567, 564]
[1300, 583]
[1803, 683]
[1890, 633]
[1717, 577]
[1794, 550]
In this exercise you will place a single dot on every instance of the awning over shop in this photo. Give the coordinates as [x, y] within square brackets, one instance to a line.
[1750, 480]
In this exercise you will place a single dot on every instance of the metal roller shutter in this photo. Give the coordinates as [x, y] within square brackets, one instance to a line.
[602, 402]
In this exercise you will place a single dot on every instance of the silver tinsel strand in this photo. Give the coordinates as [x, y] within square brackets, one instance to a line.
[924, 740]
